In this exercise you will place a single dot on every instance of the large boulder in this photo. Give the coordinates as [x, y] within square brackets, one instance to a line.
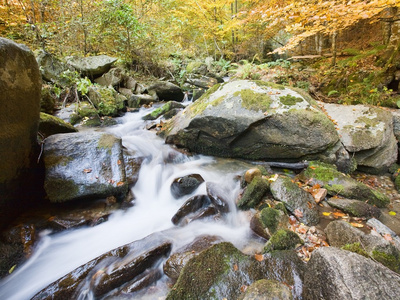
[84, 165]
[166, 91]
[20, 85]
[92, 66]
[338, 274]
[50, 66]
[114, 77]
[366, 132]
[258, 121]
[49, 125]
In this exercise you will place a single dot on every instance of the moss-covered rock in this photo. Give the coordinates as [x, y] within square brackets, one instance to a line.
[356, 208]
[49, 125]
[107, 101]
[48, 99]
[267, 289]
[268, 221]
[283, 239]
[337, 183]
[162, 110]
[253, 193]
[356, 248]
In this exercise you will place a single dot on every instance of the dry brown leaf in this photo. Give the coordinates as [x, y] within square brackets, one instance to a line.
[259, 257]
[87, 170]
[298, 213]
[235, 267]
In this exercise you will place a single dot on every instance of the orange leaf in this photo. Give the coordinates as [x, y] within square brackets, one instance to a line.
[387, 237]
[338, 214]
[312, 167]
[259, 257]
[118, 162]
[235, 267]
[120, 183]
[358, 225]
[243, 288]
[298, 213]
[87, 170]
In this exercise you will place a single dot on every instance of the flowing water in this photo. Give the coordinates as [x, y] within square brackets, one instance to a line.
[57, 254]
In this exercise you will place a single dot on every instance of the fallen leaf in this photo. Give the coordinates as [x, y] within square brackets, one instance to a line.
[312, 167]
[259, 257]
[338, 214]
[325, 244]
[120, 183]
[309, 205]
[119, 162]
[243, 288]
[87, 170]
[292, 220]
[235, 267]
[298, 213]
[392, 213]
[387, 237]
[12, 269]
[358, 225]
[325, 213]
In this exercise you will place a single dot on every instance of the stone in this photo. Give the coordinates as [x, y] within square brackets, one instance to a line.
[356, 208]
[266, 222]
[84, 165]
[50, 66]
[49, 125]
[367, 132]
[337, 183]
[320, 194]
[20, 85]
[253, 193]
[250, 174]
[137, 101]
[91, 66]
[338, 274]
[185, 185]
[190, 209]
[256, 121]
[296, 200]
[222, 271]
[283, 239]
[218, 197]
[155, 114]
[110, 270]
[48, 99]
[166, 91]
[202, 81]
[267, 290]
[114, 77]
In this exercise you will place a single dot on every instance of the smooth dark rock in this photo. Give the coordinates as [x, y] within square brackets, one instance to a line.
[186, 185]
[296, 200]
[190, 207]
[338, 274]
[218, 197]
[166, 91]
[84, 165]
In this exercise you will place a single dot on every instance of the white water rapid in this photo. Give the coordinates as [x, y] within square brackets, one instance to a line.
[57, 254]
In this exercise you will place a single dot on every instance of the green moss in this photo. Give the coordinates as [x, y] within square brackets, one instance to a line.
[280, 206]
[54, 160]
[261, 83]
[59, 190]
[210, 91]
[200, 105]
[356, 248]
[106, 142]
[290, 100]
[254, 193]
[321, 171]
[388, 260]
[270, 219]
[283, 239]
[253, 100]
[397, 183]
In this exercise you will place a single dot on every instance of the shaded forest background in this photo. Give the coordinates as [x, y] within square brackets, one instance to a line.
[348, 49]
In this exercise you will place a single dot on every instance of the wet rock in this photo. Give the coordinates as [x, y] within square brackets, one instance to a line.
[166, 91]
[342, 234]
[91, 66]
[266, 222]
[267, 290]
[137, 101]
[356, 208]
[163, 110]
[175, 263]
[367, 132]
[50, 125]
[280, 124]
[84, 165]
[110, 270]
[48, 99]
[132, 166]
[250, 174]
[186, 185]
[283, 239]
[338, 274]
[218, 197]
[140, 282]
[253, 193]
[20, 85]
[222, 271]
[297, 201]
[338, 183]
[171, 113]
[188, 210]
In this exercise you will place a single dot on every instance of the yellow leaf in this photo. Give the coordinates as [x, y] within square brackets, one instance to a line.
[392, 213]
[326, 213]
[12, 269]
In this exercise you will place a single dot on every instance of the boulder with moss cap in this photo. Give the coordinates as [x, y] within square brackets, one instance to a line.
[258, 121]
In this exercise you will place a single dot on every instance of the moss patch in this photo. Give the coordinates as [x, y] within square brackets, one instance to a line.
[254, 100]
[388, 260]
[59, 190]
[270, 218]
[106, 142]
[283, 239]
[290, 100]
[200, 105]
[356, 248]
[253, 193]
[272, 85]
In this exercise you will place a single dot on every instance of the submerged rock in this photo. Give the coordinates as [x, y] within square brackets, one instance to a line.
[84, 165]
[297, 201]
[218, 197]
[186, 185]
[338, 274]
[337, 183]
[194, 208]
[255, 120]
[367, 132]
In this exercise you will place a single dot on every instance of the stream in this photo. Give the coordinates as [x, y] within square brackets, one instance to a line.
[56, 254]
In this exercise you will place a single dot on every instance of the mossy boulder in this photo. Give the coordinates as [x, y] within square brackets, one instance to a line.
[155, 114]
[48, 99]
[222, 270]
[251, 120]
[49, 125]
[267, 290]
[253, 193]
[107, 101]
[337, 183]
[283, 239]
[86, 165]
[367, 132]
[297, 201]
[356, 208]
[20, 85]
[50, 66]
[266, 222]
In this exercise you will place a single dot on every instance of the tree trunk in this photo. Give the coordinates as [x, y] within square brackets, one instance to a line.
[334, 50]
